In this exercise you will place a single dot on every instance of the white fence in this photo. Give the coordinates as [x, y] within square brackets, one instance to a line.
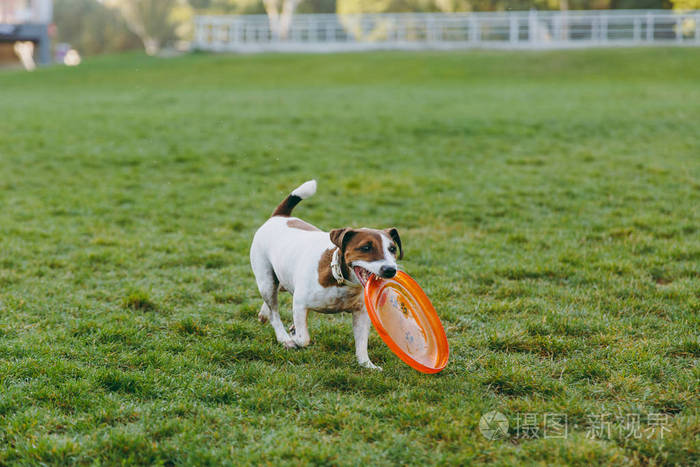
[526, 29]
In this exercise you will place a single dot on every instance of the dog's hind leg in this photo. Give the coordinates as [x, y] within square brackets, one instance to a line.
[270, 311]
[268, 286]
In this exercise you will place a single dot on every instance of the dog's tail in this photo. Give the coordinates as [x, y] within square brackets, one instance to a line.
[303, 191]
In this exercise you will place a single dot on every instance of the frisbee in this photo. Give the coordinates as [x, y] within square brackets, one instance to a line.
[407, 322]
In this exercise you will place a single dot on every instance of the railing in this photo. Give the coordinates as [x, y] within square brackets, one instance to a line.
[527, 29]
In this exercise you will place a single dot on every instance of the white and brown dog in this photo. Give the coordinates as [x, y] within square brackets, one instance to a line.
[324, 271]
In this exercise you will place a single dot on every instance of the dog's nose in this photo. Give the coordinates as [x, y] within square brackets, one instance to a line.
[387, 272]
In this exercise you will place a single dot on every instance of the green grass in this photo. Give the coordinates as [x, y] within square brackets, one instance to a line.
[548, 203]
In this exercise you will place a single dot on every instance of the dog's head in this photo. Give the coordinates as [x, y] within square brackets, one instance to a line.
[368, 251]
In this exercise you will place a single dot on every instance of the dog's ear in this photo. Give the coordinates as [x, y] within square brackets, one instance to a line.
[394, 234]
[341, 237]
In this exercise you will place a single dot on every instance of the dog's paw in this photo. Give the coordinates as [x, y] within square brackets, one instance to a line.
[370, 365]
[301, 342]
[289, 344]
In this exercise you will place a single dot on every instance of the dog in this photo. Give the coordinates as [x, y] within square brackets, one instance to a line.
[324, 271]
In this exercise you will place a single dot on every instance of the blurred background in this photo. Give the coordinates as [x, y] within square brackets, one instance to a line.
[64, 30]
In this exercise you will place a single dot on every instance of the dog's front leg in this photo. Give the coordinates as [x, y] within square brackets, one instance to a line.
[360, 328]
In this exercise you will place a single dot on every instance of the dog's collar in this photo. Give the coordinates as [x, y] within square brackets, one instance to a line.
[337, 270]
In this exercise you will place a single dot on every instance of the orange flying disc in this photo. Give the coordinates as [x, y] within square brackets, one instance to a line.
[407, 322]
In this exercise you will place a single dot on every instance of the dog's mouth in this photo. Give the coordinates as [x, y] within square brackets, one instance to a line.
[362, 274]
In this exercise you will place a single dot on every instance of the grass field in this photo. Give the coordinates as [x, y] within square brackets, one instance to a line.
[548, 203]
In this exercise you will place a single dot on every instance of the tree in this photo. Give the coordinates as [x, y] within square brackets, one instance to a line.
[317, 6]
[150, 20]
[279, 12]
[345, 7]
[377, 28]
[228, 6]
[686, 4]
[562, 5]
[450, 6]
[280, 18]
[91, 28]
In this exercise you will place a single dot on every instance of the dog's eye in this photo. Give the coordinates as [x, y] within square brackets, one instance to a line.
[366, 247]
[392, 249]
